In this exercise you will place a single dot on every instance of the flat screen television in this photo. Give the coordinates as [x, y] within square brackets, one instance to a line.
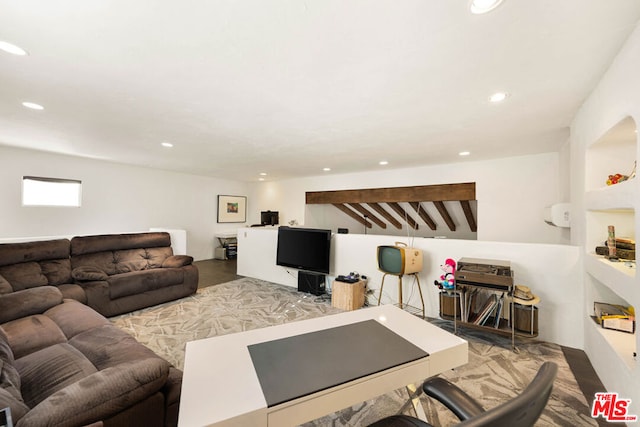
[399, 259]
[269, 218]
[306, 249]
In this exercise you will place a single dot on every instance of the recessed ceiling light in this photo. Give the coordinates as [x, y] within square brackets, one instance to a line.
[263, 174]
[12, 48]
[383, 163]
[498, 97]
[478, 7]
[33, 105]
[166, 144]
[326, 169]
[260, 179]
[464, 153]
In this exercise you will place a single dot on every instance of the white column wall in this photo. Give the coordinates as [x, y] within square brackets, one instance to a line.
[551, 271]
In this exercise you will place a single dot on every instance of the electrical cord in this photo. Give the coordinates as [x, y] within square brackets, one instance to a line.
[323, 298]
[413, 288]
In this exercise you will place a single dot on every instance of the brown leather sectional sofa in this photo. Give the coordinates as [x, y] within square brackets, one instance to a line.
[113, 273]
[62, 363]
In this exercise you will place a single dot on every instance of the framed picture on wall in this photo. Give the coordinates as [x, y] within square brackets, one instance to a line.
[232, 208]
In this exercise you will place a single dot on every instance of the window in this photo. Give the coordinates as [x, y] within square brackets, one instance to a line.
[38, 191]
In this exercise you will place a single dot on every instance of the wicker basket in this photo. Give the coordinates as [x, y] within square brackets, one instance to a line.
[447, 307]
[523, 319]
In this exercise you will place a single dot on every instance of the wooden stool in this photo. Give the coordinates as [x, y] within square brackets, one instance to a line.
[348, 296]
[400, 303]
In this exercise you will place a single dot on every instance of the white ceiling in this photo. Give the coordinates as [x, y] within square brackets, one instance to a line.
[288, 87]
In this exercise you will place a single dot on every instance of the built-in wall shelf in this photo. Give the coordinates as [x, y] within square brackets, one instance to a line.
[617, 197]
[618, 276]
[615, 152]
[598, 222]
[622, 344]
[612, 352]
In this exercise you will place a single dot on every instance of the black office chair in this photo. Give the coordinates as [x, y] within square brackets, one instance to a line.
[522, 411]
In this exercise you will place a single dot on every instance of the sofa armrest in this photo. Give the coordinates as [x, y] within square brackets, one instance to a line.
[12, 407]
[88, 274]
[100, 395]
[27, 302]
[177, 261]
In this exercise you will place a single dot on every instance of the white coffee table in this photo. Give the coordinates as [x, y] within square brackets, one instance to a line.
[220, 386]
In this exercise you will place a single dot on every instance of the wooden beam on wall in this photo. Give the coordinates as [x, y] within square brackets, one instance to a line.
[368, 215]
[445, 215]
[403, 214]
[418, 193]
[468, 213]
[353, 214]
[386, 215]
[423, 214]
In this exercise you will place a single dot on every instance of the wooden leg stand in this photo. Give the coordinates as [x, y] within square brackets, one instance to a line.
[400, 301]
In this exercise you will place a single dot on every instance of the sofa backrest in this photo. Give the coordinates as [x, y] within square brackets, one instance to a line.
[31, 264]
[121, 253]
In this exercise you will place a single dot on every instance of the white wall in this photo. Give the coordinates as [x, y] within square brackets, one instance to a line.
[115, 198]
[511, 193]
[551, 271]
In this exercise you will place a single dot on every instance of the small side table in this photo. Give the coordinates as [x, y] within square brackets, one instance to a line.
[228, 248]
[348, 296]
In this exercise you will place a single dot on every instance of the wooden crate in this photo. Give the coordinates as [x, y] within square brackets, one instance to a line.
[348, 296]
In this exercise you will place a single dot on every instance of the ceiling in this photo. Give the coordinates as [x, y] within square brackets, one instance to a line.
[289, 87]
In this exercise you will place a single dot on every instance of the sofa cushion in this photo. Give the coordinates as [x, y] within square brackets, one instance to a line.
[74, 292]
[28, 302]
[57, 271]
[130, 260]
[100, 395]
[155, 257]
[17, 406]
[114, 242]
[108, 346]
[16, 253]
[137, 282]
[123, 261]
[74, 318]
[24, 275]
[46, 371]
[177, 261]
[88, 273]
[32, 333]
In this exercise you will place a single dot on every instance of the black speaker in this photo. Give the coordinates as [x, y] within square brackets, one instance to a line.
[312, 283]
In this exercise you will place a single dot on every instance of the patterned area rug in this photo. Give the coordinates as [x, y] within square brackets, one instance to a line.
[493, 375]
